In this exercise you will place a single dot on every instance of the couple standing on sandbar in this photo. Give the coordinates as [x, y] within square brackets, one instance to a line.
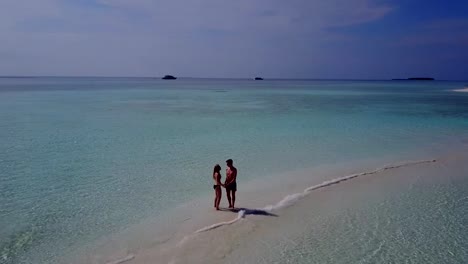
[230, 184]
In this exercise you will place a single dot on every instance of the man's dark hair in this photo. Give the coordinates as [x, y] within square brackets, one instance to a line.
[229, 161]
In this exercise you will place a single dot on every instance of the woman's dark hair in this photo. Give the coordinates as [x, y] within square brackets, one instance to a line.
[216, 169]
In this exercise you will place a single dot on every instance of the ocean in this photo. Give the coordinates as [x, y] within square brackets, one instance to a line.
[110, 170]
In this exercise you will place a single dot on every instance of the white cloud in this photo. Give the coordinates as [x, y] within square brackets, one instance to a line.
[196, 38]
[248, 15]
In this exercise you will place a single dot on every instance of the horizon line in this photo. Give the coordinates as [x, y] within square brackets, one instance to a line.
[219, 78]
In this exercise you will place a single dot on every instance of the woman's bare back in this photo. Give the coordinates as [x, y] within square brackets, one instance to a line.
[217, 178]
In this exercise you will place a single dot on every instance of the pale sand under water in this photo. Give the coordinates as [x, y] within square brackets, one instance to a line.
[408, 215]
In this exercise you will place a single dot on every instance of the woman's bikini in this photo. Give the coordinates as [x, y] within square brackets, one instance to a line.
[216, 180]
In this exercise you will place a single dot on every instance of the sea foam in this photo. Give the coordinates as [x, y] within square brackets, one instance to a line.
[292, 198]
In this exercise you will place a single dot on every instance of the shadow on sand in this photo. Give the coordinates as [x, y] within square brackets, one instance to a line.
[249, 211]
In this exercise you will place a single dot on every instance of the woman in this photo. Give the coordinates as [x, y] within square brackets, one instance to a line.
[217, 185]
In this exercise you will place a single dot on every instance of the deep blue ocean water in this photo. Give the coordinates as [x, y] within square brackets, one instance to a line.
[81, 158]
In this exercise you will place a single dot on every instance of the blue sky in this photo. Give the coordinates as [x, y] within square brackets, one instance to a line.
[350, 39]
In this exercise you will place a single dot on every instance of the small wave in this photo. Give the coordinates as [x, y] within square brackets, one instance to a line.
[122, 260]
[292, 198]
[462, 90]
[240, 215]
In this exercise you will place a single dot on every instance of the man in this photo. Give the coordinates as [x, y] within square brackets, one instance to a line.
[230, 183]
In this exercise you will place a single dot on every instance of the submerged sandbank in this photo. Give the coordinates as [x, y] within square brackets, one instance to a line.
[195, 233]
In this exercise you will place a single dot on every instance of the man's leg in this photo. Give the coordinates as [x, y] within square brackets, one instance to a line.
[233, 198]
[228, 194]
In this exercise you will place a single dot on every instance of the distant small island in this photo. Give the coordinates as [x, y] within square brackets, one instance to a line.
[169, 77]
[258, 78]
[17, 77]
[415, 79]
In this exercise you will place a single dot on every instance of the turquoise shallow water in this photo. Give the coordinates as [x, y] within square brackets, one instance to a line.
[81, 158]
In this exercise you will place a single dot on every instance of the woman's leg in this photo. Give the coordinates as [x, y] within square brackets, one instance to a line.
[218, 197]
